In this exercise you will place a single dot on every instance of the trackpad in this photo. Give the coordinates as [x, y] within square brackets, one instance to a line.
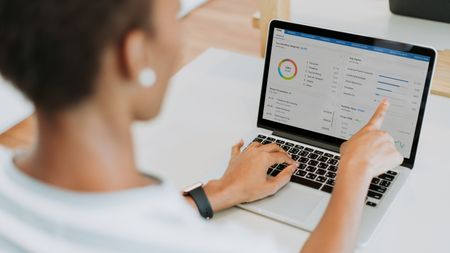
[292, 204]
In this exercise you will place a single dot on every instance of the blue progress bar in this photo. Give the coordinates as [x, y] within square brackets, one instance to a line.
[378, 88]
[391, 84]
[388, 77]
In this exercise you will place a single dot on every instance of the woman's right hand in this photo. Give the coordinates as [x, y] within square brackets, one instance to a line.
[369, 153]
[370, 150]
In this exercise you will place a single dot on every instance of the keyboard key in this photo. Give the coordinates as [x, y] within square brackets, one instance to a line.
[328, 155]
[386, 177]
[262, 136]
[322, 165]
[332, 168]
[311, 176]
[258, 140]
[311, 169]
[299, 146]
[266, 142]
[295, 151]
[330, 182]
[332, 161]
[370, 203]
[303, 160]
[385, 183]
[318, 152]
[275, 173]
[300, 173]
[295, 157]
[392, 173]
[269, 171]
[290, 144]
[337, 157]
[313, 156]
[306, 182]
[327, 188]
[322, 159]
[302, 166]
[375, 180]
[282, 166]
[279, 141]
[271, 139]
[309, 149]
[313, 162]
[321, 179]
[304, 153]
[330, 174]
[377, 188]
[286, 148]
[374, 195]
[321, 172]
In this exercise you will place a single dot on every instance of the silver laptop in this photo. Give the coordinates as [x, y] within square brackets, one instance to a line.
[321, 86]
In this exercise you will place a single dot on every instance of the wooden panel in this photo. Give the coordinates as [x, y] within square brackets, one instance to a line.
[271, 9]
[20, 136]
[223, 24]
[441, 81]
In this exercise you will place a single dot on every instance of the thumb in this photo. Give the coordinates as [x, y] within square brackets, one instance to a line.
[283, 177]
[236, 149]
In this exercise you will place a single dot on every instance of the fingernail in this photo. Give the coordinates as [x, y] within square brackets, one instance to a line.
[294, 168]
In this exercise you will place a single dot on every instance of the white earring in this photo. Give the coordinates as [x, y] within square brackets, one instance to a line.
[147, 77]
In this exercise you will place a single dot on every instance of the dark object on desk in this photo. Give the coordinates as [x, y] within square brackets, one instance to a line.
[438, 10]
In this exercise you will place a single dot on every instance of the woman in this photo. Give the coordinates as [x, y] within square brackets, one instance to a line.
[78, 189]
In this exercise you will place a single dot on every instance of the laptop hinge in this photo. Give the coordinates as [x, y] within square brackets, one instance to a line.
[306, 140]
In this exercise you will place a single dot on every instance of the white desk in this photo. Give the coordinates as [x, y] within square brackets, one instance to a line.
[213, 102]
[371, 17]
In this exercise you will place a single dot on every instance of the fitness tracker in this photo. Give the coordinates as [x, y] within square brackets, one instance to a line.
[201, 200]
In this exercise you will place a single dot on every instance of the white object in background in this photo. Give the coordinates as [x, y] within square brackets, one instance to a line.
[371, 17]
[189, 5]
[14, 107]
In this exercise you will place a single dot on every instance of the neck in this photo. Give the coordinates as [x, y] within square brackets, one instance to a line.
[84, 150]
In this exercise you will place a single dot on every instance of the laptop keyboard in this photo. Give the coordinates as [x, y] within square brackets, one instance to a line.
[317, 169]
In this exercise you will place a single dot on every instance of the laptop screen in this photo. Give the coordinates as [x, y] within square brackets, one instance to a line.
[332, 86]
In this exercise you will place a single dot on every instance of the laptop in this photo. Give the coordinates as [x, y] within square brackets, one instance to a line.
[432, 9]
[319, 87]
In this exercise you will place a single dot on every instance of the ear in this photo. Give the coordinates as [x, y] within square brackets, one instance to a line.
[134, 54]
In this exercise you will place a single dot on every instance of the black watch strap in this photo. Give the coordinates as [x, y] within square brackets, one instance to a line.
[202, 202]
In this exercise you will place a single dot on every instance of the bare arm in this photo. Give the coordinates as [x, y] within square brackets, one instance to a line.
[341, 220]
[368, 153]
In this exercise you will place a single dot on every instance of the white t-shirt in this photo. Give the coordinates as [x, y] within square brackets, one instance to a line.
[36, 217]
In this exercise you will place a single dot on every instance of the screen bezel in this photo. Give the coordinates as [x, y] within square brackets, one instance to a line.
[275, 126]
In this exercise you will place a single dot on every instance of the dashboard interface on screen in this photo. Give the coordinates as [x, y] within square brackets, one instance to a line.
[332, 87]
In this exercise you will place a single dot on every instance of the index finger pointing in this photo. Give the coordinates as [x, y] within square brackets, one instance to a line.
[378, 116]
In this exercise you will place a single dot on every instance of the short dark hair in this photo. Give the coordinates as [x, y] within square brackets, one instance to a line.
[50, 49]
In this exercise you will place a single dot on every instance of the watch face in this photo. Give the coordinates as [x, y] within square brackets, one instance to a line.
[192, 187]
